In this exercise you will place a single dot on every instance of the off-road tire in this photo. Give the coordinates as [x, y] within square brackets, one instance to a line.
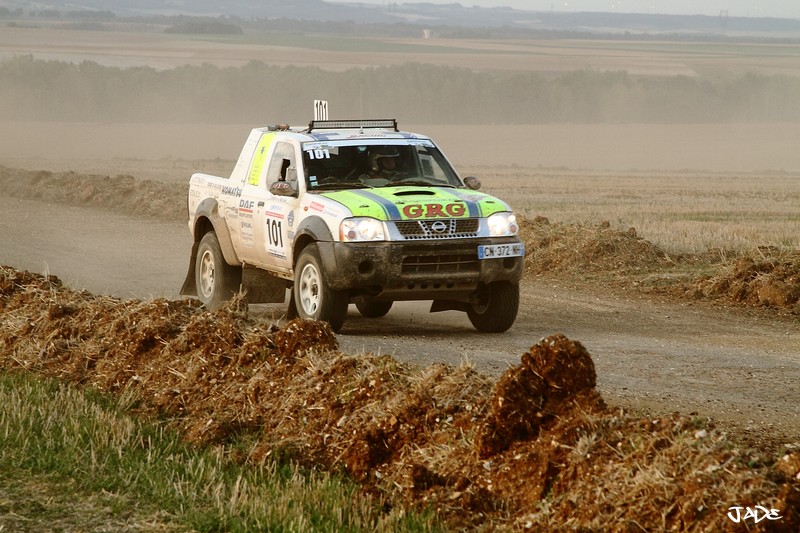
[313, 298]
[373, 309]
[497, 308]
[216, 281]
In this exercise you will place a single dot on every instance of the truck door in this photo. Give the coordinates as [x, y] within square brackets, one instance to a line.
[274, 216]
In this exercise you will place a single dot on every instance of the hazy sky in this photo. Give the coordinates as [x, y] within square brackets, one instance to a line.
[735, 8]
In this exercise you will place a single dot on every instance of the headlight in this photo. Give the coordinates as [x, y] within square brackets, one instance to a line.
[502, 224]
[361, 229]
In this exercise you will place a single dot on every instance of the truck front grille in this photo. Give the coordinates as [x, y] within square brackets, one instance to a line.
[454, 228]
[428, 264]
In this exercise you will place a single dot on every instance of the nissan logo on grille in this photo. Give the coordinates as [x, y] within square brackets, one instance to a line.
[439, 226]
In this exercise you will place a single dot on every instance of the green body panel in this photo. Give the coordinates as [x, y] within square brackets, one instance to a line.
[417, 203]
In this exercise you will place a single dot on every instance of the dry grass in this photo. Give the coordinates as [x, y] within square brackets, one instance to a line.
[538, 449]
[678, 212]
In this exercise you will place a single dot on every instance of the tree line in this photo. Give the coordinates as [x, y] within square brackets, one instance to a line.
[39, 90]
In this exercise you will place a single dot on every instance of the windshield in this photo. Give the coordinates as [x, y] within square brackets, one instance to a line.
[331, 166]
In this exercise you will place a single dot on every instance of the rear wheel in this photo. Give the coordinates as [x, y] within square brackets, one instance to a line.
[216, 280]
[497, 307]
[313, 298]
[373, 309]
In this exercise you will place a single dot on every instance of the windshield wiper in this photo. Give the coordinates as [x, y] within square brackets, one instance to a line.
[341, 185]
[418, 182]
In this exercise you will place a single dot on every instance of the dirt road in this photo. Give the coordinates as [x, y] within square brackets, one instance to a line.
[740, 368]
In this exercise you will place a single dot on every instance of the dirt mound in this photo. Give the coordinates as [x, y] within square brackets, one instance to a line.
[122, 193]
[556, 247]
[770, 279]
[537, 449]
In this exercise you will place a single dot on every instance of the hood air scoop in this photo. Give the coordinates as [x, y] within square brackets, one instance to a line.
[418, 192]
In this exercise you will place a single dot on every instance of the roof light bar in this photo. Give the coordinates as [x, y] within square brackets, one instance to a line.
[358, 124]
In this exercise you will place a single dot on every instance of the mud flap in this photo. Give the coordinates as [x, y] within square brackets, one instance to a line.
[291, 312]
[189, 285]
[261, 287]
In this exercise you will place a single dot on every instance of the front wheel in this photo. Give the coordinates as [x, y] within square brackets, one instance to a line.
[216, 280]
[314, 299]
[497, 307]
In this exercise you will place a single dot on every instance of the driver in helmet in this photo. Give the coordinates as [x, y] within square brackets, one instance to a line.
[383, 164]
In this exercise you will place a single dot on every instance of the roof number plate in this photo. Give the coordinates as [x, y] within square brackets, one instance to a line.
[497, 251]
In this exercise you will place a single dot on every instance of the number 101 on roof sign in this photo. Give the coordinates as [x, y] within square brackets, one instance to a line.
[320, 110]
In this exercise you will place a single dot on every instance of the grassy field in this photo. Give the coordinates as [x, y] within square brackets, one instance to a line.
[76, 461]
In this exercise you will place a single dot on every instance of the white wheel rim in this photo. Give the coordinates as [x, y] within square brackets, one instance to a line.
[309, 293]
[207, 274]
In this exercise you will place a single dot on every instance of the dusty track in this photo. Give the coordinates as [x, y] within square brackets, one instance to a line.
[738, 367]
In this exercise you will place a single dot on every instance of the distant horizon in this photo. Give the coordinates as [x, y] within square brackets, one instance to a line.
[788, 9]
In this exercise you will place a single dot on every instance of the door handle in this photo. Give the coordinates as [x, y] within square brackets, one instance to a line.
[260, 204]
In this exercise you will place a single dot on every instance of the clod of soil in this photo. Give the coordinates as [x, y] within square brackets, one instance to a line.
[538, 449]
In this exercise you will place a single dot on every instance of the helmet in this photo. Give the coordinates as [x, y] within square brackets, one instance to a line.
[380, 152]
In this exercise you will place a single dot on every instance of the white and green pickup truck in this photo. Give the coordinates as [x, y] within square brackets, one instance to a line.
[352, 211]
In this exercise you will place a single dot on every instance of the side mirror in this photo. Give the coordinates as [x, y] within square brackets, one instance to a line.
[282, 188]
[472, 183]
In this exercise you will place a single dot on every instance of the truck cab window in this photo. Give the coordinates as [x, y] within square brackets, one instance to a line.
[282, 165]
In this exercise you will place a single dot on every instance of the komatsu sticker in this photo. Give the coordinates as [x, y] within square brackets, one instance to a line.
[227, 190]
[434, 210]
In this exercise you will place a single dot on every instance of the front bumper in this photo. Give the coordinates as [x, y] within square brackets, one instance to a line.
[416, 270]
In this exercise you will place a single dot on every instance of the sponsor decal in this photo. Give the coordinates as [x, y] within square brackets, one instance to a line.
[257, 164]
[231, 191]
[316, 206]
[434, 210]
[290, 218]
[246, 206]
[273, 214]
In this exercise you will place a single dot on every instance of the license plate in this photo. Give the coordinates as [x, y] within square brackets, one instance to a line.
[495, 251]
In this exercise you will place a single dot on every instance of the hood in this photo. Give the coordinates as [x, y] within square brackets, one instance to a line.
[412, 203]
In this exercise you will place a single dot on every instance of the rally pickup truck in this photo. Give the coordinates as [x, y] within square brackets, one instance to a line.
[352, 211]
